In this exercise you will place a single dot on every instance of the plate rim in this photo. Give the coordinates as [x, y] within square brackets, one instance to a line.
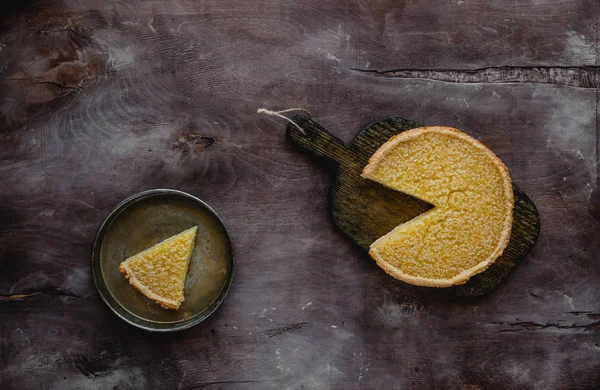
[110, 300]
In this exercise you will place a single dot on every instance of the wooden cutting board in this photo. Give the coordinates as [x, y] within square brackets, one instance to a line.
[365, 210]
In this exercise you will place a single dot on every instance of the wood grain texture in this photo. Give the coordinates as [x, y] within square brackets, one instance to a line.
[99, 100]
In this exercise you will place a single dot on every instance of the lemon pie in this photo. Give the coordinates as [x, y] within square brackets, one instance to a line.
[471, 191]
[159, 272]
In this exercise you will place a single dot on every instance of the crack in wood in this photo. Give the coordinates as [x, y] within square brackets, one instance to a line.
[536, 295]
[284, 329]
[587, 313]
[13, 297]
[578, 77]
[530, 325]
[231, 382]
[25, 295]
[577, 313]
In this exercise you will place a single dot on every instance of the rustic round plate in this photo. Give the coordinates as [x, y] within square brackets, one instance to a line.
[144, 220]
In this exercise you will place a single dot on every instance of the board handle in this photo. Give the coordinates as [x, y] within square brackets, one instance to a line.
[309, 135]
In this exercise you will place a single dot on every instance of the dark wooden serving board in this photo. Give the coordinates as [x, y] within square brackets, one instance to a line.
[365, 210]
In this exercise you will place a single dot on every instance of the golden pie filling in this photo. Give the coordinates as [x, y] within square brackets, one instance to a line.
[159, 272]
[471, 190]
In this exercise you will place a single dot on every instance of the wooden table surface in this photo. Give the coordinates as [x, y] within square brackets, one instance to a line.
[101, 100]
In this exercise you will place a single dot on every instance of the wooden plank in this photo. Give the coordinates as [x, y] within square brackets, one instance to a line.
[118, 97]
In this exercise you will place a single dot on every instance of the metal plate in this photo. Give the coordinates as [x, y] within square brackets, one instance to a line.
[144, 220]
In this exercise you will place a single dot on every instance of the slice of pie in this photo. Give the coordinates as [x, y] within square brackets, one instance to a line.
[159, 272]
[471, 190]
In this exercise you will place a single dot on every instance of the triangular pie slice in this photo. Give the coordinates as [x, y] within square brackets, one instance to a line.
[159, 272]
[471, 190]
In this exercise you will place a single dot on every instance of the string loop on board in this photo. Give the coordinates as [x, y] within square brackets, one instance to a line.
[279, 114]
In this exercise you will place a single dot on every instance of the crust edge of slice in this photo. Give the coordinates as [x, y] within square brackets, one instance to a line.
[166, 303]
[465, 275]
